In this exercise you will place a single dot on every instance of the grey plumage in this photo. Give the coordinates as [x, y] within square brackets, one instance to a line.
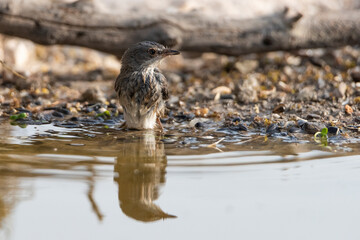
[141, 87]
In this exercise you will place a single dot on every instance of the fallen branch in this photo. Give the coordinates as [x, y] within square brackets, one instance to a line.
[79, 24]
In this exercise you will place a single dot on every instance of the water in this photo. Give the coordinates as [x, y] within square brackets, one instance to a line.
[96, 183]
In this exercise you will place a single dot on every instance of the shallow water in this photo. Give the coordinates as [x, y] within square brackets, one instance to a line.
[102, 183]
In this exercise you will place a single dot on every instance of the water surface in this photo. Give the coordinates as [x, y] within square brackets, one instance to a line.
[102, 183]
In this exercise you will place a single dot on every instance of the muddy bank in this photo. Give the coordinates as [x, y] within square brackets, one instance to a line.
[285, 95]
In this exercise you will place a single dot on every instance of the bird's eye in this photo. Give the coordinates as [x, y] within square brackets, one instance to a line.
[152, 51]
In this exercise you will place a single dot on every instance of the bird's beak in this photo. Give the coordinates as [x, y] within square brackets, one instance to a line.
[167, 52]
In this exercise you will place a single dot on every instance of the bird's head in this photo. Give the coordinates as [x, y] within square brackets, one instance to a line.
[145, 54]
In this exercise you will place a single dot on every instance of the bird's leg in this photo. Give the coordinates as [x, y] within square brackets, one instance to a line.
[123, 125]
[159, 124]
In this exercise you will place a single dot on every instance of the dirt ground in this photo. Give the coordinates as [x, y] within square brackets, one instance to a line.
[277, 94]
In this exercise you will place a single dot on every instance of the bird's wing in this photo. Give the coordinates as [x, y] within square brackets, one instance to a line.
[117, 85]
[163, 83]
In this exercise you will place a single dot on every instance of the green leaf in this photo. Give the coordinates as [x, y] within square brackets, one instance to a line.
[22, 115]
[18, 116]
[14, 117]
[105, 115]
[324, 132]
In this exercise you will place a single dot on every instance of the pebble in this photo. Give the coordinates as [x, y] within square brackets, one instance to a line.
[342, 89]
[199, 125]
[312, 116]
[334, 130]
[89, 121]
[301, 122]
[168, 140]
[112, 105]
[63, 111]
[275, 116]
[242, 127]
[307, 94]
[187, 117]
[37, 102]
[23, 110]
[295, 130]
[92, 95]
[348, 109]
[227, 97]
[237, 119]
[355, 75]
[76, 144]
[313, 127]
[58, 114]
[74, 119]
[357, 119]
[272, 128]
[279, 108]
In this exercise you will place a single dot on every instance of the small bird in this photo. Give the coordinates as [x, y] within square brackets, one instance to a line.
[141, 87]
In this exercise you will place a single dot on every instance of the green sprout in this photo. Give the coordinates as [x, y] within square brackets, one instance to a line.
[105, 115]
[321, 137]
[18, 116]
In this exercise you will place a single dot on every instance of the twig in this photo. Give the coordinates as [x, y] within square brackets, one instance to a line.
[213, 145]
[12, 70]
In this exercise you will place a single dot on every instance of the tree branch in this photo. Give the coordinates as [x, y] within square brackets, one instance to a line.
[79, 24]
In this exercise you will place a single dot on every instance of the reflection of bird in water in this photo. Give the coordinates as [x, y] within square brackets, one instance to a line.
[140, 168]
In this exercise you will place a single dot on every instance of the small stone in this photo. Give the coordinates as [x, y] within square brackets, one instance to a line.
[357, 119]
[89, 121]
[112, 105]
[221, 90]
[227, 97]
[58, 114]
[237, 119]
[38, 102]
[321, 83]
[194, 121]
[201, 112]
[355, 75]
[188, 116]
[93, 95]
[279, 108]
[246, 89]
[77, 144]
[334, 130]
[342, 89]
[295, 130]
[199, 125]
[307, 94]
[246, 66]
[23, 110]
[312, 116]
[242, 127]
[313, 127]
[301, 122]
[293, 60]
[272, 128]
[275, 116]
[357, 100]
[348, 109]
[168, 140]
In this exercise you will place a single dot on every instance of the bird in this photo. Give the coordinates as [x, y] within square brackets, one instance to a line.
[141, 87]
